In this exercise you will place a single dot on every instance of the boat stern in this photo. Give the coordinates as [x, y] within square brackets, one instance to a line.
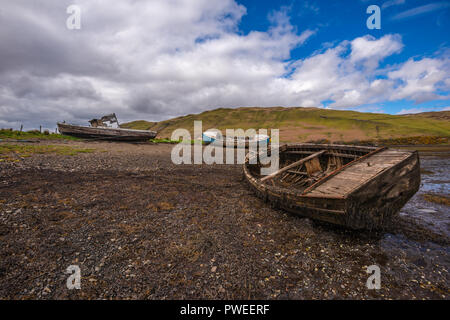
[376, 203]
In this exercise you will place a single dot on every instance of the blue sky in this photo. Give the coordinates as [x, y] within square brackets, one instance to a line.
[424, 27]
[159, 59]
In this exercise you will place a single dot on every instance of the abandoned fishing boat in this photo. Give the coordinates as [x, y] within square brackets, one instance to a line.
[353, 186]
[215, 138]
[105, 128]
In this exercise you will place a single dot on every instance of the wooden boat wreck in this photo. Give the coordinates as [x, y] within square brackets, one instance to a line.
[215, 138]
[100, 130]
[353, 186]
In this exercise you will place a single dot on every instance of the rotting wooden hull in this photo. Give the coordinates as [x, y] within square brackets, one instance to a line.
[365, 190]
[105, 133]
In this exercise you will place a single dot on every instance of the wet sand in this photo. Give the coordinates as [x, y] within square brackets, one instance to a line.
[141, 227]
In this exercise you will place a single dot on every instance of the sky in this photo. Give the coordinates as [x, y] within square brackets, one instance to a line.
[154, 60]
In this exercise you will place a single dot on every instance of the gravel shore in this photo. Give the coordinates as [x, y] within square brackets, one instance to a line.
[141, 227]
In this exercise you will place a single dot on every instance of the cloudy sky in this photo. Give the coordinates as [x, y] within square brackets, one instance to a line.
[153, 60]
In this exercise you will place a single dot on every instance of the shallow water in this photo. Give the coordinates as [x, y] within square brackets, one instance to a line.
[435, 179]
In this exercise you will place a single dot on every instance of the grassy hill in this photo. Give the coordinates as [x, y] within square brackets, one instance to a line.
[310, 124]
[138, 125]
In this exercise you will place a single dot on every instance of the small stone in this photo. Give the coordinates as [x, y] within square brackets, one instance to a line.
[213, 269]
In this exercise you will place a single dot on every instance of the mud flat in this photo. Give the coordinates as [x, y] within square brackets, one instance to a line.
[139, 226]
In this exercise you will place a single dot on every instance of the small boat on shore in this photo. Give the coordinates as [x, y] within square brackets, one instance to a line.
[100, 130]
[354, 186]
[214, 138]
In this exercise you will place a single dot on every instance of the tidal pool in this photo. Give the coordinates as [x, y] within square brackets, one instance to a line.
[435, 179]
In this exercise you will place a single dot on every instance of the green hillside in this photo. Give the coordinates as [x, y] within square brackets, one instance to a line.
[138, 125]
[310, 124]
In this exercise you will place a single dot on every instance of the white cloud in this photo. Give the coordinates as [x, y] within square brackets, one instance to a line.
[391, 3]
[370, 52]
[420, 79]
[311, 7]
[420, 110]
[348, 74]
[421, 10]
[157, 59]
[411, 111]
